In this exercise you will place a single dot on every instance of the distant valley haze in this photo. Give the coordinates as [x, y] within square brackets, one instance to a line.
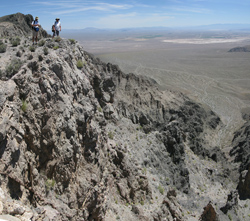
[196, 62]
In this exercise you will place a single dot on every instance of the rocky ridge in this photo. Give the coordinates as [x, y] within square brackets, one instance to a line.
[81, 140]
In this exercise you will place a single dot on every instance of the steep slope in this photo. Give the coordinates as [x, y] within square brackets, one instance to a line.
[17, 25]
[80, 140]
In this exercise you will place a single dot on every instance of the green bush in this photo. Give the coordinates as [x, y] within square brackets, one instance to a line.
[58, 39]
[50, 183]
[32, 48]
[56, 47]
[41, 43]
[3, 48]
[15, 41]
[161, 189]
[24, 105]
[13, 67]
[72, 41]
[79, 64]
[45, 50]
[111, 135]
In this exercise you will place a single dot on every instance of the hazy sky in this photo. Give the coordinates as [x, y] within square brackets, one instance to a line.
[131, 13]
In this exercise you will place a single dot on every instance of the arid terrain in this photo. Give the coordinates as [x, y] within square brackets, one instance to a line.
[196, 63]
[84, 139]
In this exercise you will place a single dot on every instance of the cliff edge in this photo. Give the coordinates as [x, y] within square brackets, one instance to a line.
[81, 140]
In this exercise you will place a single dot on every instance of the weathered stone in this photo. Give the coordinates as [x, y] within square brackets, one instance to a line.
[209, 214]
[94, 138]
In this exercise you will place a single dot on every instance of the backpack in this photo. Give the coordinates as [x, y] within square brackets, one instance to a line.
[35, 28]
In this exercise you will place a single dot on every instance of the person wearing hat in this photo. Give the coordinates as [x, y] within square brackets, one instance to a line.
[57, 27]
[35, 26]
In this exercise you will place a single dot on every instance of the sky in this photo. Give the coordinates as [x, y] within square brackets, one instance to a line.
[80, 14]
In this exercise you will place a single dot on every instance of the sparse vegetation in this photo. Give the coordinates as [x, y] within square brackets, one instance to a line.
[45, 50]
[41, 43]
[72, 41]
[79, 64]
[50, 183]
[13, 68]
[32, 48]
[230, 216]
[55, 47]
[15, 41]
[58, 39]
[111, 135]
[161, 189]
[24, 106]
[2, 47]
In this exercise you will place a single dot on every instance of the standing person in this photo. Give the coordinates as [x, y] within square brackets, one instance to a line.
[35, 25]
[57, 27]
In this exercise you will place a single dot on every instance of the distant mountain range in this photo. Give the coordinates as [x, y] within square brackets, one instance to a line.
[212, 27]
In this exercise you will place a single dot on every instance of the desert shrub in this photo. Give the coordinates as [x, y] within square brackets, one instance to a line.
[58, 39]
[161, 189]
[41, 43]
[111, 135]
[3, 48]
[50, 183]
[45, 50]
[24, 105]
[79, 64]
[13, 68]
[72, 41]
[15, 41]
[21, 48]
[32, 48]
[99, 109]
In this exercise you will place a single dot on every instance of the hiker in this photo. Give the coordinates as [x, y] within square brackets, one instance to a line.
[35, 26]
[57, 27]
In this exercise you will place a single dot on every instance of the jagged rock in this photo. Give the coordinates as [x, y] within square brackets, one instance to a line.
[171, 209]
[241, 151]
[83, 143]
[17, 25]
[232, 202]
[244, 184]
[209, 214]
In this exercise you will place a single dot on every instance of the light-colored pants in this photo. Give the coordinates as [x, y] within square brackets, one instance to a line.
[35, 34]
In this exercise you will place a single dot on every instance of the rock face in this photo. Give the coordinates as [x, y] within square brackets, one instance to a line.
[241, 151]
[209, 213]
[17, 25]
[81, 140]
